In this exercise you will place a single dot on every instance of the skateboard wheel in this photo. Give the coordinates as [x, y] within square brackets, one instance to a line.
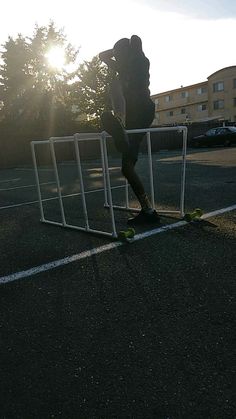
[126, 234]
[190, 216]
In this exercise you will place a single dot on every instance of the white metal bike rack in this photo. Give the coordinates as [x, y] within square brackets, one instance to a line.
[103, 137]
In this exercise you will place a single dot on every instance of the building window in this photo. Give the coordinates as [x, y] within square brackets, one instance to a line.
[201, 107]
[234, 83]
[183, 111]
[218, 104]
[168, 98]
[218, 87]
[170, 113]
[157, 102]
[201, 90]
[184, 95]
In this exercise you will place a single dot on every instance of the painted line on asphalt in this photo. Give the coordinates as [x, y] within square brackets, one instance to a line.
[97, 250]
[10, 180]
[26, 186]
[182, 223]
[24, 169]
[21, 204]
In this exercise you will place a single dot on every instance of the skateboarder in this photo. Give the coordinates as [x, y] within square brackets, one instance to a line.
[132, 109]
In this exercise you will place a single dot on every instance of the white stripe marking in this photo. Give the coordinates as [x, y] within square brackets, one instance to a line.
[74, 258]
[23, 168]
[21, 204]
[10, 180]
[31, 170]
[26, 186]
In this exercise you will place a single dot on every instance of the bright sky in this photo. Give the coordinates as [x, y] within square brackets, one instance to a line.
[185, 40]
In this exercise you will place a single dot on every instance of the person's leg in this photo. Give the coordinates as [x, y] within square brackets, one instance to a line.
[141, 119]
[114, 122]
[117, 100]
[112, 125]
[147, 213]
[128, 170]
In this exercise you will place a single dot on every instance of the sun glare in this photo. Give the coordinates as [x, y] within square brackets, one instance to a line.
[56, 57]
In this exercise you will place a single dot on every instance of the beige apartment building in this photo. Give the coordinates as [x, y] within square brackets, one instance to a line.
[214, 99]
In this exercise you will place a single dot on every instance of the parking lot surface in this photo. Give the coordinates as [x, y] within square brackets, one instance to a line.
[95, 328]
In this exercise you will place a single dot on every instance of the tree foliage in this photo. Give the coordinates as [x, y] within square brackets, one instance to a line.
[91, 91]
[44, 99]
[29, 86]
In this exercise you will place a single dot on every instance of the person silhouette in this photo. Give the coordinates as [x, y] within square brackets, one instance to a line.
[132, 109]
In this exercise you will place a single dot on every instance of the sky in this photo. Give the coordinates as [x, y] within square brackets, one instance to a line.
[185, 40]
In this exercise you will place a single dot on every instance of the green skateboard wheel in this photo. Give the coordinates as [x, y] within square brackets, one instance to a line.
[126, 234]
[196, 214]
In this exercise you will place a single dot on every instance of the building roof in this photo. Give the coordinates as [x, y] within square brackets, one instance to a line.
[222, 69]
[192, 85]
[179, 89]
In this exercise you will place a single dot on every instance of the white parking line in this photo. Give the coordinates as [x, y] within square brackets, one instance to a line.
[26, 186]
[24, 169]
[28, 169]
[10, 180]
[97, 250]
[22, 204]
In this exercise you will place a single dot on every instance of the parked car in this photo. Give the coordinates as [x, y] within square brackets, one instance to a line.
[215, 136]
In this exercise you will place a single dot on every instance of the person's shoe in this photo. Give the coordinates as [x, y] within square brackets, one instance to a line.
[144, 218]
[113, 126]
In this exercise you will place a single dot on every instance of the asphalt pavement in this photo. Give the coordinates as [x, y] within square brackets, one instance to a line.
[95, 329]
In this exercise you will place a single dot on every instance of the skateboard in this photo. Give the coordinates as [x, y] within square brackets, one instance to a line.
[193, 216]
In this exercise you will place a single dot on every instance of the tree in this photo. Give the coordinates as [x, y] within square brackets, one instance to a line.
[91, 91]
[13, 75]
[41, 98]
[32, 89]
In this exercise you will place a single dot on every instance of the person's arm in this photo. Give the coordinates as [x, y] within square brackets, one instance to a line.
[107, 58]
[136, 44]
